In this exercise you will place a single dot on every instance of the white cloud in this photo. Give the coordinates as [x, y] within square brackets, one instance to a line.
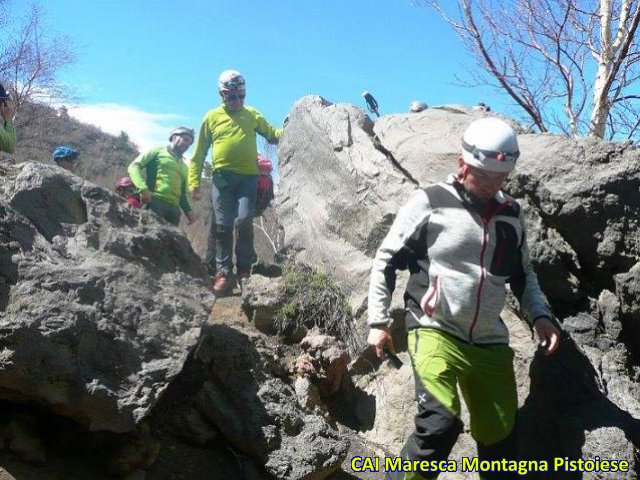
[145, 129]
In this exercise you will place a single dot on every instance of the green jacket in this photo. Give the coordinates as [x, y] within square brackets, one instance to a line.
[233, 137]
[166, 176]
[7, 136]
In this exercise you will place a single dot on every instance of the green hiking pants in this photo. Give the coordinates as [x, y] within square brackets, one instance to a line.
[484, 374]
[166, 210]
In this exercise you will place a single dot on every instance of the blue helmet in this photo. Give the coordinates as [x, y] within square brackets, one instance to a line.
[64, 153]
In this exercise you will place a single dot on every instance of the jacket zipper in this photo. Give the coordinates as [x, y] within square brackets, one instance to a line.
[483, 271]
[483, 274]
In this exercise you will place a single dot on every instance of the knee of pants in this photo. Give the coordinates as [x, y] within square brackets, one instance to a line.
[222, 231]
[491, 425]
[434, 435]
[244, 223]
[436, 429]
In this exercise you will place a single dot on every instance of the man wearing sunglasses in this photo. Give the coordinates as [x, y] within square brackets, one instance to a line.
[230, 130]
[7, 129]
[462, 240]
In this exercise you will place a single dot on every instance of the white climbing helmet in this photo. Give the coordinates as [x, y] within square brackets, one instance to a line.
[490, 144]
[230, 80]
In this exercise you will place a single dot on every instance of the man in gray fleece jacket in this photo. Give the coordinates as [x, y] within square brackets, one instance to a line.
[462, 241]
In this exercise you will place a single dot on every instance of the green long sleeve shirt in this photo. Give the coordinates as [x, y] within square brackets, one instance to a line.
[233, 138]
[7, 136]
[166, 176]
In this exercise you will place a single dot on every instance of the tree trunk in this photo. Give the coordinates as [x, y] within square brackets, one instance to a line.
[600, 86]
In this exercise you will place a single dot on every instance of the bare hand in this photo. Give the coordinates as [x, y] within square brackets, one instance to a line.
[378, 338]
[195, 193]
[146, 196]
[6, 110]
[548, 335]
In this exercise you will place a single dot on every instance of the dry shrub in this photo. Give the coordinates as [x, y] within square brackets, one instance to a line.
[314, 300]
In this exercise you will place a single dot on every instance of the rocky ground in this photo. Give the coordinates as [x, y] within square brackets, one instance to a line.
[176, 460]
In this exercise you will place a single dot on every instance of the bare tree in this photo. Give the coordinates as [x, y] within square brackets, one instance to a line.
[568, 65]
[30, 60]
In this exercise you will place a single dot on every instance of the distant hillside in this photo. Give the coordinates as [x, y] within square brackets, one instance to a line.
[103, 157]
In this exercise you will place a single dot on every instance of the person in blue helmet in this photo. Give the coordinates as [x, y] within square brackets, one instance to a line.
[65, 157]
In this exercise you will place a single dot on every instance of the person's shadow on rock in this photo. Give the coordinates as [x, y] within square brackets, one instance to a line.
[567, 403]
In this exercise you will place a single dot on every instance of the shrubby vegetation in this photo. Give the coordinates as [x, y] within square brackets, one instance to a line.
[314, 300]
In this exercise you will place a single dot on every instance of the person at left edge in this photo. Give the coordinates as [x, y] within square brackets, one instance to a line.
[7, 129]
[165, 188]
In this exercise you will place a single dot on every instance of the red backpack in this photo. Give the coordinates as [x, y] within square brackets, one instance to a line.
[265, 185]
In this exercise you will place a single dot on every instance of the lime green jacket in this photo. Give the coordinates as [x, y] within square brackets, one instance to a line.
[166, 176]
[233, 138]
[7, 136]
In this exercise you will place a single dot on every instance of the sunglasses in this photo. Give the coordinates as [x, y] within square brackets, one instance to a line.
[480, 154]
[487, 177]
[184, 135]
[233, 97]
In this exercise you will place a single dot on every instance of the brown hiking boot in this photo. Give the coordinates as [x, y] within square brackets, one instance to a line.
[241, 277]
[221, 283]
[243, 274]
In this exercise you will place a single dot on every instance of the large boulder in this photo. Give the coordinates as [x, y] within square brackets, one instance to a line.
[437, 131]
[338, 193]
[587, 191]
[100, 304]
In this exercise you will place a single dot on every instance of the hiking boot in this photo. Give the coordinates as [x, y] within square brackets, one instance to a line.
[221, 283]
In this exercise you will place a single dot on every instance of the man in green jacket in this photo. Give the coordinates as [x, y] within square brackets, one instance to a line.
[165, 188]
[7, 129]
[230, 129]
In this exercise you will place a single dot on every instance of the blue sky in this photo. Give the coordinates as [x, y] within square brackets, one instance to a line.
[146, 66]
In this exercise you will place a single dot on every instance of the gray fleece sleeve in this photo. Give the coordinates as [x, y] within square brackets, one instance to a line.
[383, 269]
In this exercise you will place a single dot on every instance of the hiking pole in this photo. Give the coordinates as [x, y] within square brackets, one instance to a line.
[372, 105]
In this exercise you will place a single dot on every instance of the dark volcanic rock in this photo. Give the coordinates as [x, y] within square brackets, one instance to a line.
[99, 303]
[247, 396]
